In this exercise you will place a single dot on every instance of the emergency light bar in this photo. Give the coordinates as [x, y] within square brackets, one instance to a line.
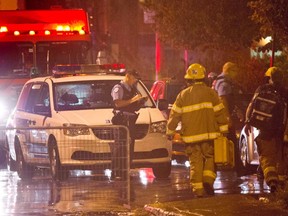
[5, 32]
[72, 70]
[44, 25]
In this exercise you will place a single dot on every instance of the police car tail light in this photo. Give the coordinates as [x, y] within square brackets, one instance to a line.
[158, 127]
[75, 130]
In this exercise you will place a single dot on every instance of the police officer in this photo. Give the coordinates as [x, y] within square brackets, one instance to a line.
[227, 90]
[203, 119]
[127, 101]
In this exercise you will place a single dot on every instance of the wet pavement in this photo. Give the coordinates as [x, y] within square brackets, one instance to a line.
[223, 205]
[85, 194]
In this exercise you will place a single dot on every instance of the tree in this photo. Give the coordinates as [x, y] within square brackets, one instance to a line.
[272, 17]
[189, 24]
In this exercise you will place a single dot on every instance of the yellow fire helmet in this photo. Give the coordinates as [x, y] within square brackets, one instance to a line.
[270, 70]
[195, 71]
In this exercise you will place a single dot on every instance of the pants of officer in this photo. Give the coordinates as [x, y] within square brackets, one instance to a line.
[119, 150]
[202, 167]
[271, 159]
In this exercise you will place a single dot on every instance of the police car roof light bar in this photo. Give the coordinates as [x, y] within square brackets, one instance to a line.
[72, 70]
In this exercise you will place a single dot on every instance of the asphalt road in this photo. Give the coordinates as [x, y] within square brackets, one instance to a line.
[86, 194]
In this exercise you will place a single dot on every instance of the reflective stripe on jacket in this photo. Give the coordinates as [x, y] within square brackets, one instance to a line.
[200, 112]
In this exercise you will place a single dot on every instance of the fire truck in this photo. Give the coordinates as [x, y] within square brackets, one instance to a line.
[31, 43]
[36, 40]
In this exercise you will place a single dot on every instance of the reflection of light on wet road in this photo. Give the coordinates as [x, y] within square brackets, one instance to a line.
[174, 163]
[252, 185]
[3, 194]
[83, 191]
[86, 190]
[226, 181]
[108, 172]
[8, 188]
[146, 176]
[187, 164]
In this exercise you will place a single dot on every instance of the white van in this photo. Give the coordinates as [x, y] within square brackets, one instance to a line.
[10, 89]
[80, 97]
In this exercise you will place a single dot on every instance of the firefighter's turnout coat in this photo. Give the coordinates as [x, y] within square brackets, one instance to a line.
[203, 119]
[200, 112]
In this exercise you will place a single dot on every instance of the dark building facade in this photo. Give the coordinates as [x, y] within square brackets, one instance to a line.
[119, 29]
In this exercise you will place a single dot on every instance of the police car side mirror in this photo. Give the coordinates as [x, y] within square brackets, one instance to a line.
[162, 104]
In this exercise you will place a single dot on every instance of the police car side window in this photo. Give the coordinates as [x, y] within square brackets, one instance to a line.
[33, 95]
[43, 96]
[42, 102]
[23, 97]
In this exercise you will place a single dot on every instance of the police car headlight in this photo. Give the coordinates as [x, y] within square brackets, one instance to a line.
[75, 130]
[158, 127]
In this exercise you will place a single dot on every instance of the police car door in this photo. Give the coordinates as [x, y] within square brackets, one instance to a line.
[37, 108]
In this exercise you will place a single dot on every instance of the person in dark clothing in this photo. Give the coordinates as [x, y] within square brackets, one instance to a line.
[266, 80]
[211, 79]
[127, 101]
[270, 141]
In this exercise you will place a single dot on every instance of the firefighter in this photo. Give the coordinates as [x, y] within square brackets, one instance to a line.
[203, 119]
[282, 165]
[270, 142]
[267, 77]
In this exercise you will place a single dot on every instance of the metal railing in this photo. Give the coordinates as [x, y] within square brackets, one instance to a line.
[85, 165]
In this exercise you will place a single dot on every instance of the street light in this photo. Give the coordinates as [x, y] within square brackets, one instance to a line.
[264, 41]
[273, 51]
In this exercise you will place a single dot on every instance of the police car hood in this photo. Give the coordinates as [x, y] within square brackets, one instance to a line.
[103, 117]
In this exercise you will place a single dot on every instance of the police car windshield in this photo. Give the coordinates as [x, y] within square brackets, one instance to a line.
[92, 94]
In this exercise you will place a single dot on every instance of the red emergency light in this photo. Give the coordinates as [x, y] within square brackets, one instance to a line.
[44, 25]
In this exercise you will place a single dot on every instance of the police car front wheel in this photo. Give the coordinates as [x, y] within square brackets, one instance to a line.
[58, 172]
[24, 170]
[162, 170]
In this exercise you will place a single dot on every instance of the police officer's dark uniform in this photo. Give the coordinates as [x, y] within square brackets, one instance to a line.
[227, 90]
[126, 102]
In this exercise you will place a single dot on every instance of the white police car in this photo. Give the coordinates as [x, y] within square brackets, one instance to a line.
[79, 99]
[10, 90]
